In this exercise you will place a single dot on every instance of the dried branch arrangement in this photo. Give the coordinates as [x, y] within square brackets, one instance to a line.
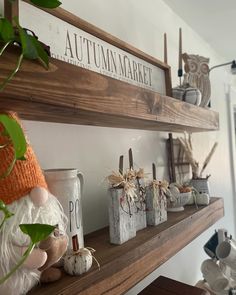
[186, 143]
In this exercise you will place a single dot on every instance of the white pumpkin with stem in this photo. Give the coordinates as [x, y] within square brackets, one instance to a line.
[79, 262]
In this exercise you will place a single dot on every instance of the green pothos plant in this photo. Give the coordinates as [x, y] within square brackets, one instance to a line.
[37, 232]
[14, 136]
[30, 48]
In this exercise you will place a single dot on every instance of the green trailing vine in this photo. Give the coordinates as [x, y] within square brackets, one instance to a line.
[7, 214]
[37, 232]
[15, 136]
[30, 48]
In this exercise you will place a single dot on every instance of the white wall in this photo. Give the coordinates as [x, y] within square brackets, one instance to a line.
[95, 150]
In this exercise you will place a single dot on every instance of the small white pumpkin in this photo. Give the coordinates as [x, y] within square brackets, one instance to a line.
[79, 262]
[203, 199]
[188, 94]
[178, 92]
[192, 95]
[174, 192]
[199, 199]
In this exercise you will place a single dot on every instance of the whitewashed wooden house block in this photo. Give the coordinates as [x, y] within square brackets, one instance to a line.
[156, 206]
[140, 210]
[122, 218]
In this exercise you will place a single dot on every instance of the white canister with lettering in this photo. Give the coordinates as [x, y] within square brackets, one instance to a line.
[67, 186]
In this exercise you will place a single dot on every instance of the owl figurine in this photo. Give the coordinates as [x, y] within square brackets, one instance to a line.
[197, 75]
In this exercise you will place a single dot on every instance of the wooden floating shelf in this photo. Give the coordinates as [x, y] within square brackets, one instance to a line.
[70, 94]
[124, 266]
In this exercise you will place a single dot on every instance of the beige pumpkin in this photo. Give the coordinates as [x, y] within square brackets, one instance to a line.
[188, 94]
[174, 191]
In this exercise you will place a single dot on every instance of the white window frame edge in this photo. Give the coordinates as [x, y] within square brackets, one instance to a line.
[232, 126]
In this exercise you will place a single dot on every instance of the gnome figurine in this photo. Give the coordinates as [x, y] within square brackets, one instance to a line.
[26, 195]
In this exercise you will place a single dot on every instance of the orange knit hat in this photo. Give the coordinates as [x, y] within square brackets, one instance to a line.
[25, 175]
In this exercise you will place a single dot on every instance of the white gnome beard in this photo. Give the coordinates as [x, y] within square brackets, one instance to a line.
[25, 212]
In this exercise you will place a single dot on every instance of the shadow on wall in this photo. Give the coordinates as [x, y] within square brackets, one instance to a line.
[95, 151]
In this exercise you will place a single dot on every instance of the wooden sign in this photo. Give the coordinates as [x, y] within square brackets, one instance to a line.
[77, 42]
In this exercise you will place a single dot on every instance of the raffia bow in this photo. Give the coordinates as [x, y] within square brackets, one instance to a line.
[134, 174]
[162, 185]
[117, 180]
[140, 173]
[130, 175]
[159, 190]
[130, 191]
[134, 177]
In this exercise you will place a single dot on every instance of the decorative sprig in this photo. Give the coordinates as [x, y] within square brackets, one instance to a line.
[186, 143]
[208, 158]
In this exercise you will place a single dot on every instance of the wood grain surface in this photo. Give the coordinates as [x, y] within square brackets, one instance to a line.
[69, 94]
[167, 286]
[11, 10]
[125, 265]
[76, 21]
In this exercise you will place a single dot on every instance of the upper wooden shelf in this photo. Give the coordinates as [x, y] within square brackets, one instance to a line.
[70, 94]
[124, 266]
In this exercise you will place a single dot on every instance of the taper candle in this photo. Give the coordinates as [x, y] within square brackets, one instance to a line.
[180, 49]
[180, 69]
[165, 49]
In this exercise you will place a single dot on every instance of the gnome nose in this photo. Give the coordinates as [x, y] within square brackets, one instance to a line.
[39, 196]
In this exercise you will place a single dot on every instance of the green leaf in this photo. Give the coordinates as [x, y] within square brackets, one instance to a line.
[18, 265]
[6, 30]
[22, 158]
[5, 210]
[12, 74]
[4, 133]
[16, 135]
[28, 48]
[2, 205]
[46, 3]
[42, 54]
[37, 232]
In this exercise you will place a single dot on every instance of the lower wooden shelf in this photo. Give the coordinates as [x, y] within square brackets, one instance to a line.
[124, 266]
